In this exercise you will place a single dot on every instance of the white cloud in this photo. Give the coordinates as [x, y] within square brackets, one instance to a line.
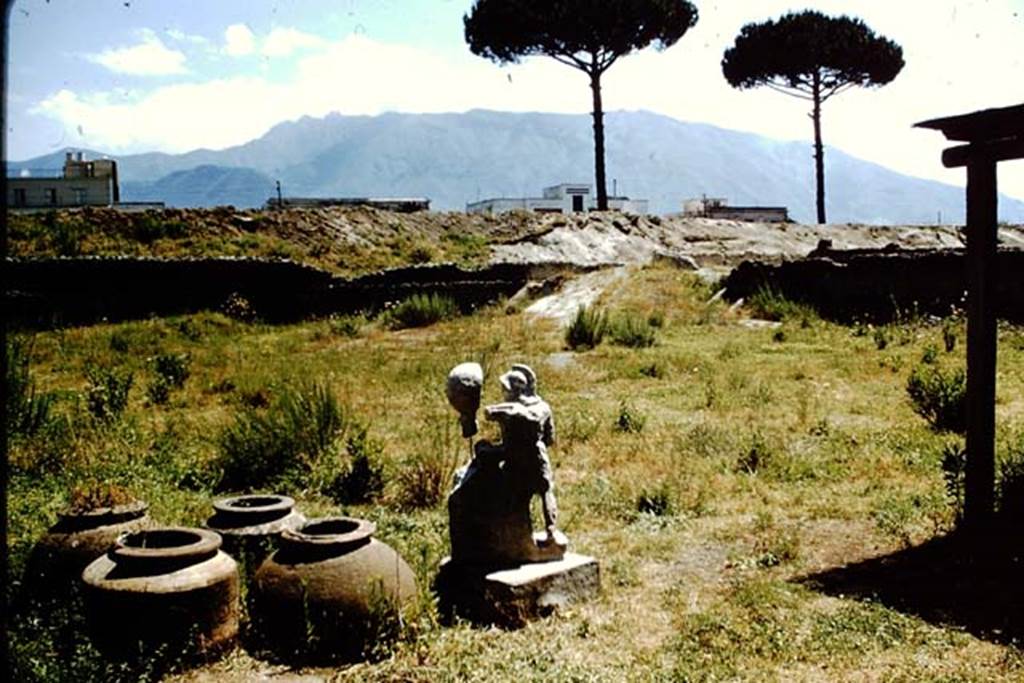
[281, 42]
[358, 75]
[239, 40]
[182, 37]
[149, 58]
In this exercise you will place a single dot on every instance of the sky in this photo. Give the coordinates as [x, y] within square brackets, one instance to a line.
[126, 76]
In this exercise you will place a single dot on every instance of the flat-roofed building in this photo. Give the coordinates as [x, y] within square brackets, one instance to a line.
[80, 183]
[561, 198]
[716, 207]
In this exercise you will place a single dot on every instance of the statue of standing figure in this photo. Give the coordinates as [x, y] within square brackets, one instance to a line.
[489, 508]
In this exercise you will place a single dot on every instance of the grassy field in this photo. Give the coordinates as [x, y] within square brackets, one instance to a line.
[718, 475]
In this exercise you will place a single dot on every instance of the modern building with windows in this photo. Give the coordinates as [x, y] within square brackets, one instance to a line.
[562, 198]
[80, 183]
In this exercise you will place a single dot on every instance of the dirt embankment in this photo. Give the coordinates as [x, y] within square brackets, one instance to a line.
[358, 240]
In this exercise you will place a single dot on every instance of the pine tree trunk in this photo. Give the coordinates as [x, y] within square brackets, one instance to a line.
[819, 150]
[602, 192]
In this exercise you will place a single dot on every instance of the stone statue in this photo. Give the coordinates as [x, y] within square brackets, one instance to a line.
[489, 508]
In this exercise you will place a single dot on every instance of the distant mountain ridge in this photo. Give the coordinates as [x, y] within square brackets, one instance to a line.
[458, 158]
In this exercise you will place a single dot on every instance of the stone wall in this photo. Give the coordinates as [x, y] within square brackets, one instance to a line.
[60, 291]
[881, 284]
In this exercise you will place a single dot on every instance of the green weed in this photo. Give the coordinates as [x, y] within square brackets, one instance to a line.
[939, 397]
[27, 410]
[421, 310]
[277, 446]
[587, 328]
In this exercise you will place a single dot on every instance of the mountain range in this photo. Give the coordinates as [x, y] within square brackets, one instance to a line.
[454, 159]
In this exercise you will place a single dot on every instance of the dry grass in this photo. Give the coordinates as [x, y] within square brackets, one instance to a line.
[774, 460]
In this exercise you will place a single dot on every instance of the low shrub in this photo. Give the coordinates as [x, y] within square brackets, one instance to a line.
[173, 368]
[107, 394]
[629, 420]
[421, 310]
[277, 446]
[347, 325]
[149, 228]
[238, 308]
[756, 455]
[939, 397]
[954, 466]
[67, 236]
[92, 495]
[587, 329]
[654, 370]
[158, 392]
[363, 480]
[425, 478]
[659, 502]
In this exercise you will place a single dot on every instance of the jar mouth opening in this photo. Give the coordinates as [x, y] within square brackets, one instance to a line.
[166, 543]
[254, 503]
[331, 531]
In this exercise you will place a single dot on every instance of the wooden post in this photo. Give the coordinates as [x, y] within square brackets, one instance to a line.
[981, 341]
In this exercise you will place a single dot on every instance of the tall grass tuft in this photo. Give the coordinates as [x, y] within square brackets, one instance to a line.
[363, 479]
[939, 397]
[421, 310]
[770, 304]
[27, 410]
[629, 329]
[587, 329]
[277, 446]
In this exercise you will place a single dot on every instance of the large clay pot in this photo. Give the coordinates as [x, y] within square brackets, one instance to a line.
[55, 565]
[329, 589]
[251, 525]
[167, 589]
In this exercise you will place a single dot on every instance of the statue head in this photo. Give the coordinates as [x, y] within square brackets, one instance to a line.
[463, 391]
[520, 384]
[514, 384]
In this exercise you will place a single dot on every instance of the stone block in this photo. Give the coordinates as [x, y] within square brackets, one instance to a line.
[512, 596]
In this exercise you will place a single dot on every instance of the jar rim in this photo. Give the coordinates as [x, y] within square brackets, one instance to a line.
[327, 531]
[166, 543]
[254, 503]
[123, 510]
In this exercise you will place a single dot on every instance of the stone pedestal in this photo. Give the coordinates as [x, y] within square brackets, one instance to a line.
[511, 596]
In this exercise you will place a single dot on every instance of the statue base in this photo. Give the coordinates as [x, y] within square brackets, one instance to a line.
[512, 596]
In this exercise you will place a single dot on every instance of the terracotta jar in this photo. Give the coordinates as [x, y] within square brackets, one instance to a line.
[55, 565]
[168, 588]
[328, 589]
[251, 525]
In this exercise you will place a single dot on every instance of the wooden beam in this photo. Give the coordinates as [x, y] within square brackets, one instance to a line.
[989, 124]
[997, 150]
[979, 481]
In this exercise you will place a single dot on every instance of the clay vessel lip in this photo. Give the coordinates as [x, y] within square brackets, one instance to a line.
[330, 531]
[254, 504]
[69, 521]
[124, 510]
[166, 543]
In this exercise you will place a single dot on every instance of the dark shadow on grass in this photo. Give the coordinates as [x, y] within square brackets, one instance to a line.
[972, 583]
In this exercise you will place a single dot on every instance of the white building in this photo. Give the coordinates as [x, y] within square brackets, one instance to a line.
[563, 198]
